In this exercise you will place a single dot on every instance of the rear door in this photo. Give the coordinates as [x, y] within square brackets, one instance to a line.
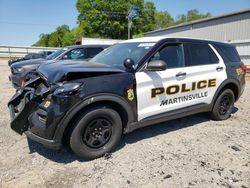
[193, 73]
[205, 68]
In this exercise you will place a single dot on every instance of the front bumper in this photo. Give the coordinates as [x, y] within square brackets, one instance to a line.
[52, 144]
[31, 115]
[22, 107]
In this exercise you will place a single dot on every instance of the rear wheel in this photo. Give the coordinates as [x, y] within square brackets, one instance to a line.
[223, 106]
[97, 132]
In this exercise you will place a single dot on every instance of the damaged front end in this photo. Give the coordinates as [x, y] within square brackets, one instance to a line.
[41, 106]
[24, 102]
[38, 108]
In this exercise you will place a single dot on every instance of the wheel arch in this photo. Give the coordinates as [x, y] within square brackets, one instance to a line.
[232, 84]
[114, 101]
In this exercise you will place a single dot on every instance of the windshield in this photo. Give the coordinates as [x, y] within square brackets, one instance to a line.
[115, 55]
[55, 54]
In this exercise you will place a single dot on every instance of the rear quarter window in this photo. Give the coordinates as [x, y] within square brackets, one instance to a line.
[228, 53]
[200, 54]
[92, 52]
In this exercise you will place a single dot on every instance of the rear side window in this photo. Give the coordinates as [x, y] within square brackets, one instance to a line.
[228, 53]
[92, 52]
[200, 54]
[78, 53]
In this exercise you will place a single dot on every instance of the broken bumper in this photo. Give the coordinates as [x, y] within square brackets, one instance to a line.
[52, 144]
[23, 108]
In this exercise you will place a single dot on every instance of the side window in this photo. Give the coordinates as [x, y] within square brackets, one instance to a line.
[200, 54]
[229, 53]
[173, 55]
[78, 53]
[92, 52]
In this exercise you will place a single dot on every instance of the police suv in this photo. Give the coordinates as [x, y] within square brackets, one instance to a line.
[132, 84]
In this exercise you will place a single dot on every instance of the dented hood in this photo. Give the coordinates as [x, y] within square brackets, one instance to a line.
[73, 69]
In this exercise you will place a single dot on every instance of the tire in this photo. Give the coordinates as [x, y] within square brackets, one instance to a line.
[223, 105]
[97, 132]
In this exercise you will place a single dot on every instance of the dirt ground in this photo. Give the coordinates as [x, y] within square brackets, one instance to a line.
[189, 152]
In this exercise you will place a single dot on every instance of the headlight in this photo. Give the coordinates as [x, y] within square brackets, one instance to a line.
[67, 89]
[17, 70]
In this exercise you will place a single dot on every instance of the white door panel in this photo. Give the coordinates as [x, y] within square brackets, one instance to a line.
[146, 81]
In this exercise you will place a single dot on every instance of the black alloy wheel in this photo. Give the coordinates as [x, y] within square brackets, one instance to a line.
[223, 105]
[96, 132]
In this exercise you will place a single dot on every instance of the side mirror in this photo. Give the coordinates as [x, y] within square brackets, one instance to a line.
[129, 64]
[157, 65]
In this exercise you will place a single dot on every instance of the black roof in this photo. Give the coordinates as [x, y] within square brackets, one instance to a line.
[176, 39]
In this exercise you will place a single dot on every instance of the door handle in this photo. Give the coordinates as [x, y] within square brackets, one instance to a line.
[181, 74]
[219, 68]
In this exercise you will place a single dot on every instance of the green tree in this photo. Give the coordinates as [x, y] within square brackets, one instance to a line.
[56, 38]
[108, 18]
[163, 19]
[195, 15]
[60, 37]
[71, 37]
[181, 19]
[43, 40]
[147, 18]
[191, 15]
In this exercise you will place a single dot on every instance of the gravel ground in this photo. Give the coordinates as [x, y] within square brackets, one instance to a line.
[188, 152]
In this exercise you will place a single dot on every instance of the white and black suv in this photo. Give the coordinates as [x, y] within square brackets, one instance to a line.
[132, 84]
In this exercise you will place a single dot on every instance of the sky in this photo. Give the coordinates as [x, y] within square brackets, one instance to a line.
[22, 21]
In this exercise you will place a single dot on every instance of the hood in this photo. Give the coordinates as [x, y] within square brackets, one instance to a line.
[72, 70]
[29, 62]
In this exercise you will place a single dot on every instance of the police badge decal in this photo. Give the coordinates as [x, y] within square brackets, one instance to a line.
[131, 95]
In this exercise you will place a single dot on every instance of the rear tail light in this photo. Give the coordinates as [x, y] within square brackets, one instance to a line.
[244, 68]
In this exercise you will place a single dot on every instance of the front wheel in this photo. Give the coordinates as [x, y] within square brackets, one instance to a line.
[223, 106]
[97, 132]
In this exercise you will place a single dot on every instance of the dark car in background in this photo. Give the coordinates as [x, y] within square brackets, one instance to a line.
[23, 71]
[39, 55]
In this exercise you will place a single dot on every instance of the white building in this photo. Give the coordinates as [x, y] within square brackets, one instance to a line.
[93, 41]
[233, 28]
